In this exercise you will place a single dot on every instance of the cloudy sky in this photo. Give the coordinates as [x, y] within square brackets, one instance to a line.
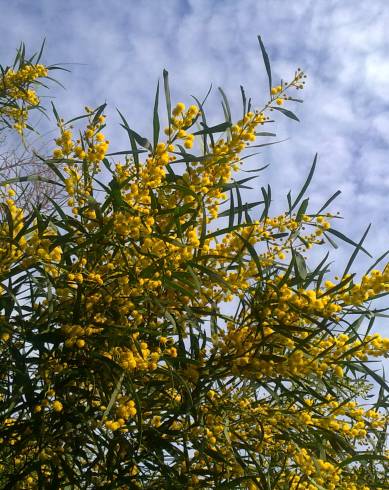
[116, 51]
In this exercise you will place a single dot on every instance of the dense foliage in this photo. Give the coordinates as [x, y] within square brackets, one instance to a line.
[159, 333]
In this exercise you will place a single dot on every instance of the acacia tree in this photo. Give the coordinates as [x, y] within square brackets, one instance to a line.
[122, 364]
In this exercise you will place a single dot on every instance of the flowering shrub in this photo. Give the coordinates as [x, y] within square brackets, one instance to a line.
[123, 363]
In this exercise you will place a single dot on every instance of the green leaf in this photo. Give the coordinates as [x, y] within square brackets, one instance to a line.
[9, 219]
[301, 267]
[334, 196]
[239, 209]
[355, 253]
[286, 113]
[334, 244]
[144, 142]
[363, 368]
[31, 178]
[167, 94]
[338, 287]
[377, 261]
[174, 285]
[305, 186]
[346, 239]
[114, 395]
[204, 121]
[127, 152]
[98, 112]
[210, 273]
[84, 116]
[240, 206]
[55, 113]
[39, 55]
[302, 209]
[296, 100]
[226, 106]
[267, 201]
[223, 231]
[219, 128]
[244, 102]
[156, 125]
[266, 61]
[264, 133]
[231, 211]
[363, 457]
[252, 251]
[268, 144]
[238, 183]
[51, 164]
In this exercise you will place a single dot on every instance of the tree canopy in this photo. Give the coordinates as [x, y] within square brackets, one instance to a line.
[158, 332]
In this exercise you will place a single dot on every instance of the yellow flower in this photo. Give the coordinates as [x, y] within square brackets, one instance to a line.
[57, 153]
[57, 406]
[180, 107]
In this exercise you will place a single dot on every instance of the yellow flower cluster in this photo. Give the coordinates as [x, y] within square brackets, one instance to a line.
[180, 121]
[271, 351]
[39, 247]
[90, 149]
[15, 80]
[77, 334]
[262, 426]
[124, 411]
[15, 89]
[12, 241]
[372, 284]
[131, 359]
[278, 92]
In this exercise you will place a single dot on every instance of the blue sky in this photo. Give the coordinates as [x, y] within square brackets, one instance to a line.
[117, 50]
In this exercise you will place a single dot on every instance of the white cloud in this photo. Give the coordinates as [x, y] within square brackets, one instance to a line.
[377, 75]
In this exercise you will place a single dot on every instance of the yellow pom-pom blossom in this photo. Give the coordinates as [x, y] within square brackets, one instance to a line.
[57, 406]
